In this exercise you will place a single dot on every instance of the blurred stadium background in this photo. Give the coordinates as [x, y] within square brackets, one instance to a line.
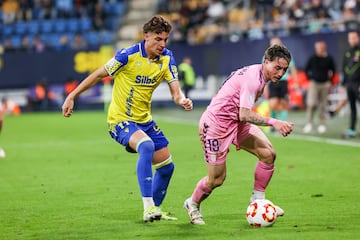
[51, 43]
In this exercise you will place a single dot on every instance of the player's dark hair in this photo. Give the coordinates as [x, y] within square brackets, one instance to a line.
[277, 51]
[353, 31]
[157, 24]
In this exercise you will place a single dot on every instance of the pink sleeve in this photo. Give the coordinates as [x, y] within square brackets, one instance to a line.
[248, 93]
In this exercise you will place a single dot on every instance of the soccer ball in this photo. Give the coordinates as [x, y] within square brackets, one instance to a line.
[261, 213]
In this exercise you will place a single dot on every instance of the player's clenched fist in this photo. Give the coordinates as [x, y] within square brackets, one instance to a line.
[285, 128]
[67, 107]
[186, 103]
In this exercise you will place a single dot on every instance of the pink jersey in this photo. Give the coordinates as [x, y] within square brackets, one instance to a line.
[242, 88]
[219, 125]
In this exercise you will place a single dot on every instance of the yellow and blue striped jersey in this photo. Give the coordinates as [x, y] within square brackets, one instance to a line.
[135, 79]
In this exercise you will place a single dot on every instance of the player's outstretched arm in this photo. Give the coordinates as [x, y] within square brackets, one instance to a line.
[88, 82]
[179, 97]
[247, 115]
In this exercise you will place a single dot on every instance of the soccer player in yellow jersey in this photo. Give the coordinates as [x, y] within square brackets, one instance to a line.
[137, 71]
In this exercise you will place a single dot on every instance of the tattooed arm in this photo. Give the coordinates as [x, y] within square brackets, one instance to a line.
[247, 115]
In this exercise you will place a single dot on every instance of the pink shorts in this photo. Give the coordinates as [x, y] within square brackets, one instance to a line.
[216, 140]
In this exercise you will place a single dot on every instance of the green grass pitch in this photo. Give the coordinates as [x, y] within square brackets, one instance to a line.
[67, 179]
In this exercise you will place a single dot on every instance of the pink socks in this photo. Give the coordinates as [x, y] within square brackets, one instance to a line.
[201, 192]
[263, 174]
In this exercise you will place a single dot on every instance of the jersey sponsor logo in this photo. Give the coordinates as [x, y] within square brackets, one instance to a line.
[145, 80]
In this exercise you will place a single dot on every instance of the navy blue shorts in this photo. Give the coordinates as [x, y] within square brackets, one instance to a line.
[124, 130]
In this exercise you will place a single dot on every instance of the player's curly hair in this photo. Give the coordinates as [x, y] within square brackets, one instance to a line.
[275, 51]
[157, 24]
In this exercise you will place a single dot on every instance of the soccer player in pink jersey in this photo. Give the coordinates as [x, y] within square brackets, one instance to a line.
[229, 119]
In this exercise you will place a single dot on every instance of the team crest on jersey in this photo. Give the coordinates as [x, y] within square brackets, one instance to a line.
[112, 65]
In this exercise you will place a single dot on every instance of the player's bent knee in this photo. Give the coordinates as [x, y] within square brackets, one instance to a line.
[166, 170]
[145, 146]
[166, 167]
[269, 156]
[217, 182]
[272, 154]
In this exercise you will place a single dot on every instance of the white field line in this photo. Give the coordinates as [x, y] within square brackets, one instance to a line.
[325, 140]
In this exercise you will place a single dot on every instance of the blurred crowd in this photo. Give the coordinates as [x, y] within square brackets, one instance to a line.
[56, 24]
[27, 10]
[194, 21]
[204, 21]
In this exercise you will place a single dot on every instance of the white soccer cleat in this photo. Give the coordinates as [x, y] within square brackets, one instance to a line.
[152, 214]
[321, 129]
[2, 153]
[279, 211]
[307, 128]
[193, 210]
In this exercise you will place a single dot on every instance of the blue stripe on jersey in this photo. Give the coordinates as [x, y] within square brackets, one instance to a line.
[142, 48]
[133, 49]
[172, 62]
[122, 56]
